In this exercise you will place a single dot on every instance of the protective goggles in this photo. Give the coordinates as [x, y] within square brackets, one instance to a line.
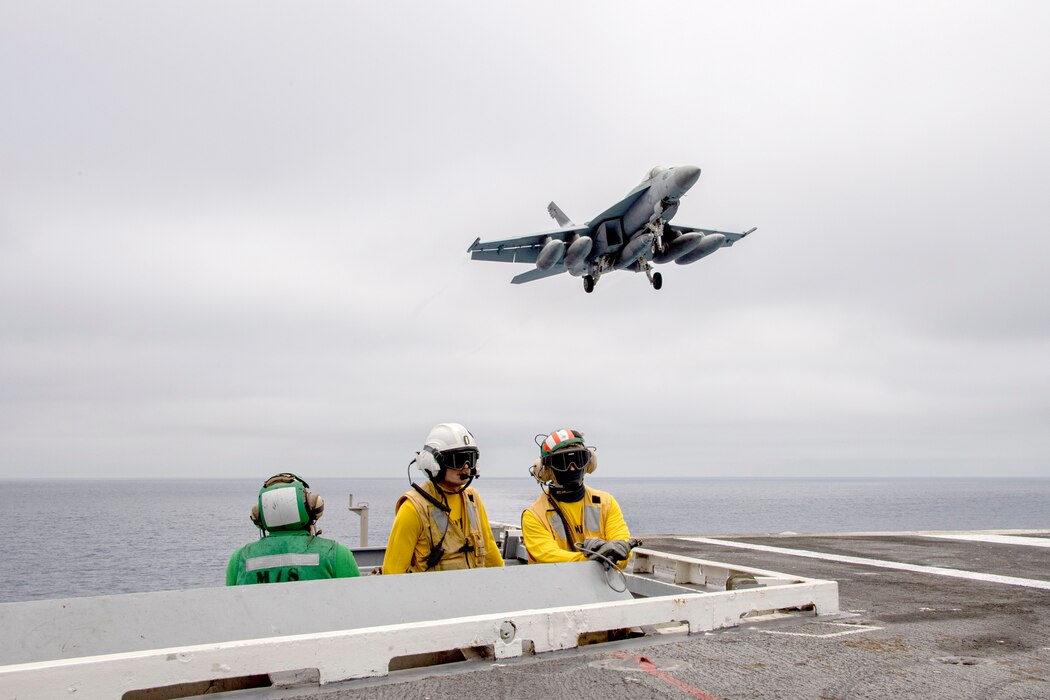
[561, 461]
[459, 459]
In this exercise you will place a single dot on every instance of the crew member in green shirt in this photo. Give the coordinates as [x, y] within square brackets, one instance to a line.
[290, 548]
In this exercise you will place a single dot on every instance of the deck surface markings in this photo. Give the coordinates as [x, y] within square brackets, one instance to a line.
[885, 564]
[997, 539]
[853, 629]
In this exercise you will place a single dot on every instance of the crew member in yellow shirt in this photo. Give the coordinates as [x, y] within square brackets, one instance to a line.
[570, 521]
[442, 524]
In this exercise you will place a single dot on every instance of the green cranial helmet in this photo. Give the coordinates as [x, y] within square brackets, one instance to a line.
[285, 504]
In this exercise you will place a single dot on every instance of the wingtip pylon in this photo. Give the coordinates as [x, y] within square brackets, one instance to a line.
[474, 244]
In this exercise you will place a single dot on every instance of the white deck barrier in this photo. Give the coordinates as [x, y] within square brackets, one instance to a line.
[690, 591]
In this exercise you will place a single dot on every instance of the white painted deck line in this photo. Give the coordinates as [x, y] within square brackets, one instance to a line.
[998, 539]
[853, 629]
[917, 568]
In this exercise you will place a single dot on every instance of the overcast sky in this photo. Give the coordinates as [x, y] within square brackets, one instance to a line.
[232, 236]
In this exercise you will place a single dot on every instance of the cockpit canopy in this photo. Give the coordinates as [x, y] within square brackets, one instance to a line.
[654, 172]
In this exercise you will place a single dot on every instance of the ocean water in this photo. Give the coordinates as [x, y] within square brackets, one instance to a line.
[69, 538]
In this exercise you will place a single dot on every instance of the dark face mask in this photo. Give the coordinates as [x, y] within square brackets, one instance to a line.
[570, 485]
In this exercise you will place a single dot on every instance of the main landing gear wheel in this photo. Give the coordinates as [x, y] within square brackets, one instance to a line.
[655, 278]
[588, 284]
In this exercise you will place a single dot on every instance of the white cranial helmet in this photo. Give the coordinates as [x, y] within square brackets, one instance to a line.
[443, 437]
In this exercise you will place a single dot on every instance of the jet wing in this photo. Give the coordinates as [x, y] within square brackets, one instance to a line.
[523, 249]
[534, 274]
[620, 208]
[731, 236]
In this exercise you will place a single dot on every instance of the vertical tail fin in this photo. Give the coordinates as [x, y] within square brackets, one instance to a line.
[558, 215]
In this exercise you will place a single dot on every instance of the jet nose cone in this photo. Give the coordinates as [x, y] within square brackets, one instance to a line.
[686, 176]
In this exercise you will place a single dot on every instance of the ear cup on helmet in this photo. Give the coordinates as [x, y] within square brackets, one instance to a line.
[541, 472]
[314, 505]
[254, 515]
[426, 463]
[593, 464]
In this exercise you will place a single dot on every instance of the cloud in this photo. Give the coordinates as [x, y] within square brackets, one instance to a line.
[233, 238]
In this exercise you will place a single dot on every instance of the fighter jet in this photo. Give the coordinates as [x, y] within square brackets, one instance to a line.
[630, 235]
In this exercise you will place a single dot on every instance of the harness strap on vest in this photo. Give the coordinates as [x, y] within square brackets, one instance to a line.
[436, 553]
[437, 504]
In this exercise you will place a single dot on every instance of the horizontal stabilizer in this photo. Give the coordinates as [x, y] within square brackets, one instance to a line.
[524, 254]
[535, 274]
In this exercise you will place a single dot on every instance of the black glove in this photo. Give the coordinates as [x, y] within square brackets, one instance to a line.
[591, 546]
[615, 550]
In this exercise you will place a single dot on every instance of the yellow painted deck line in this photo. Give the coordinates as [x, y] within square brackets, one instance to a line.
[862, 561]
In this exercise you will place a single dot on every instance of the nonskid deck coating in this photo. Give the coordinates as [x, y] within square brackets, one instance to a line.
[907, 634]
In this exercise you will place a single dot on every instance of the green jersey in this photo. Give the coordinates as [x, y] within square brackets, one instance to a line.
[290, 556]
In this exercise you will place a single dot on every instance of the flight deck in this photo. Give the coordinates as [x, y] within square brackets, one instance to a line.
[835, 615]
[923, 615]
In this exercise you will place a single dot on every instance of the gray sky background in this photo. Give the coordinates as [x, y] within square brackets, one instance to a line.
[232, 236]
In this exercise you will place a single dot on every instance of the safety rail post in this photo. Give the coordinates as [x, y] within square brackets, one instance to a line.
[362, 510]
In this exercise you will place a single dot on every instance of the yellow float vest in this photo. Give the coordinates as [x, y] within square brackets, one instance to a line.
[455, 541]
[595, 515]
